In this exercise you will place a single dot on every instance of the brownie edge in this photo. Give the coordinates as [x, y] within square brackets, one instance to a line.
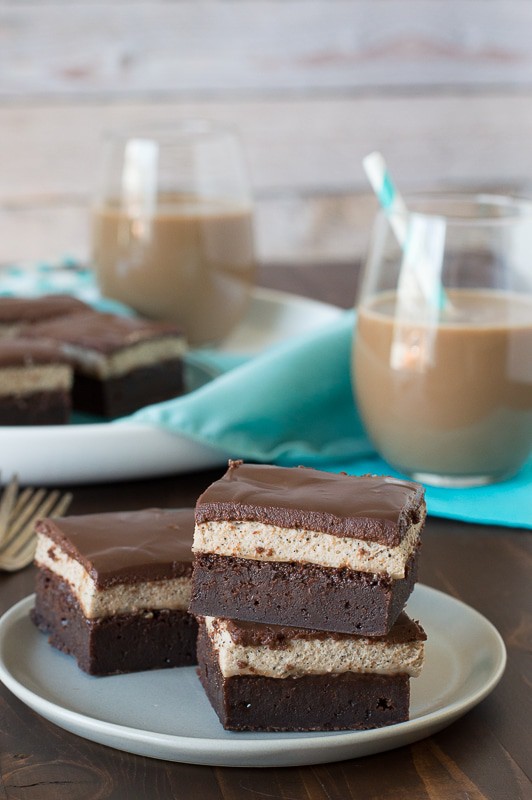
[299, 595]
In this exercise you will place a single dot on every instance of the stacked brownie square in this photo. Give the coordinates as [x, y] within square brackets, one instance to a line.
[35, 376]
[299, 583]
[35, 383]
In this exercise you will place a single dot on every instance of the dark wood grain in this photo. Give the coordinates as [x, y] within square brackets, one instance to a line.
[484, 755]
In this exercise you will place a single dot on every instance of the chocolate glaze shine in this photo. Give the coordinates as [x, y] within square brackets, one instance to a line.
[21, 352]
[37, 309]
[127, 546]
[104, 333]
[373, 508]
[276, 637]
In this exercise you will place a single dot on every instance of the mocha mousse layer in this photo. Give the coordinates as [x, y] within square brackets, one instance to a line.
[261, 677]
[307, 548]
[113, 589]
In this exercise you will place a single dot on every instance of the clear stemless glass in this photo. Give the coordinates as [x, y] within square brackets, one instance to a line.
[172, 227]
[442, 356]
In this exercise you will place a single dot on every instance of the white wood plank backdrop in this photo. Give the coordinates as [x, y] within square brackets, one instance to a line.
[442, 87]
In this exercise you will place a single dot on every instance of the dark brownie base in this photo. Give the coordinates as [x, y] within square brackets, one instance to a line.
[113, 645]
[346, 701]
[125, 394]
[38, 408]
[299, 595]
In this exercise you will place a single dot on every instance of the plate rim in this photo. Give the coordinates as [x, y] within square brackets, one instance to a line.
[221, 752]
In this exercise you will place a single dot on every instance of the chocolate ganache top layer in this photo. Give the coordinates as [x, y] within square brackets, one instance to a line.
[254, 634]
[104, 333]
[127, 546]
[373, 508]
[22, 352]
[36, 309]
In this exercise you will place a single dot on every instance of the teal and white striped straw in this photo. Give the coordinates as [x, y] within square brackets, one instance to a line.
[390, 199]
[395, 208]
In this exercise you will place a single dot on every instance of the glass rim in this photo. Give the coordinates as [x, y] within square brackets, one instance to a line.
[518, 209]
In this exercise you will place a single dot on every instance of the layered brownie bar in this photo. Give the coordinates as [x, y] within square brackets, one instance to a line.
[113, 589]
[121, 363]
[277, 678]
[35, 383]
[17, 312]
[301, 547]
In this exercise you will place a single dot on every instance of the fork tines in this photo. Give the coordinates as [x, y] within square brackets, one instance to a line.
[18, 515]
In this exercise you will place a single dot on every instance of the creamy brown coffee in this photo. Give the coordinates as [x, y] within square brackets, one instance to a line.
[190, 262]
[455, 400]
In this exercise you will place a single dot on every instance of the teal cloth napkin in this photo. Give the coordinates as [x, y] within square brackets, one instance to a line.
[291, 405]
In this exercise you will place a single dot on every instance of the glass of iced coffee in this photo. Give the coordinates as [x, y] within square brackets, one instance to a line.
[442, 356]
[172, 226]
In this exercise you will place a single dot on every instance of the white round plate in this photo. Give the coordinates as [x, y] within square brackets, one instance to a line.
[100, 452]
[165, 713]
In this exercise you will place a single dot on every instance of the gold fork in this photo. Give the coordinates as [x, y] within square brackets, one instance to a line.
[18, 514]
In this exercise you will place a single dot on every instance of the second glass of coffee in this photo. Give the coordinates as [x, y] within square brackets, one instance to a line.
[442, 360]
[172, 227]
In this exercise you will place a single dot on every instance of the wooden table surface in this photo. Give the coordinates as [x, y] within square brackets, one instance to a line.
[485, 754]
